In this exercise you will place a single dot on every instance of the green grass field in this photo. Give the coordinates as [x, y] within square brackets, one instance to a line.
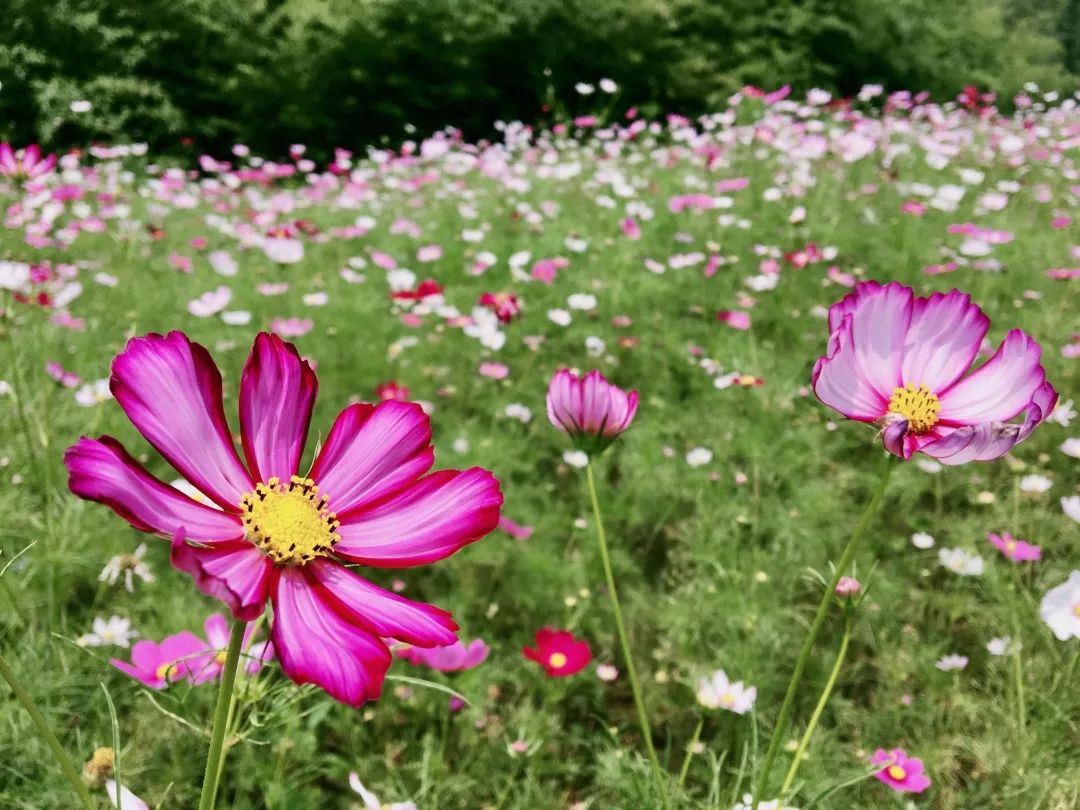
[720, 564]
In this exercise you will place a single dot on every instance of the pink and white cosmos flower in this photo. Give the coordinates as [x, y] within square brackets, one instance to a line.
[589, 408]
[271, 532]
[899, 362]
[26, 164]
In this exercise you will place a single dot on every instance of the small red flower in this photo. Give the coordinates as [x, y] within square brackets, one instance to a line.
[559, 653]
[391, 390]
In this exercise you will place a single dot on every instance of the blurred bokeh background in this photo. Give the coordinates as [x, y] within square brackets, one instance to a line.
[205, 74]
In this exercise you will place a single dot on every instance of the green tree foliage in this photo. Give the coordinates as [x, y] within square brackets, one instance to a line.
[273, 72]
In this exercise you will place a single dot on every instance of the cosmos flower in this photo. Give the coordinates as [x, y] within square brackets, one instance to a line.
[1060, 608]
[505, 305]
[1015, 550]
[558, 652]
[961, 562]
[898, 362]
[127, 566]
[717, 692]
[156, 665]
[114, 630]
[902, 773]
[592, 410]
[27, 164]
[951, 662]
[280, 535]
[453, 658]
[282, 246]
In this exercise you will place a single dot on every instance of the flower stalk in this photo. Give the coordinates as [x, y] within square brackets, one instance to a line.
[215, 757]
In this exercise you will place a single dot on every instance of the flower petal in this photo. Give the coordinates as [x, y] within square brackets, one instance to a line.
[235, 572]
[838, 382]
[277, 393]
[373, 452]
[943, 339]
[432, 519]
[384, 613]
[880, 319]
[102, 470]
[315, 644]
[1000, 388]
[171, 390]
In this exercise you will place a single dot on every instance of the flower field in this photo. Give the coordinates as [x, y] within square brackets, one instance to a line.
[367, 476]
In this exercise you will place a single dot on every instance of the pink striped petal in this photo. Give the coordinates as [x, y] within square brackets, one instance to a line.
[235, 572]
[315, 644]
[277, 393]
[101, 470]
[384, 613]
[7, 159]
[171, 390]
[999, 389]
[432, 519]
[838, 382]
[971, 443]
[373, 451]
[880, 319]
[943, 339]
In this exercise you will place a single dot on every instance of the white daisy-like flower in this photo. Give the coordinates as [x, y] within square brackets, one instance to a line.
[371, 801]
[699, 456]
[515, 410]
[1063, 413]
[922, 540]
[129, 566]
[961, 562]
[93, 393]
[1035, 483]
[1071, 447]
[1071, 507]
[116, 630]
[1003, 646]
[1060, 608]
[576, 458]
[718, 692]
[951, 662]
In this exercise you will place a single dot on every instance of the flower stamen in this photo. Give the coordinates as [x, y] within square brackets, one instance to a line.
[290, 522]
[917, 404]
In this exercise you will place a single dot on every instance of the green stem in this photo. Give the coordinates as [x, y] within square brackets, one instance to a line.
[690, 752]
[1018, 673]
[214, 756]
[624, 640]
[50, 739]
[815, 628]
[811, 727]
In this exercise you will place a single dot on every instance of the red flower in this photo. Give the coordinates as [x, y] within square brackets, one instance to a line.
[559, 653]
[505, 305]
[391, 390]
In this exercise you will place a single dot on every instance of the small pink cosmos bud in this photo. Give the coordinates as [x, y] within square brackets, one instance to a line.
[848, 587]
[590, 409]
[456, 704]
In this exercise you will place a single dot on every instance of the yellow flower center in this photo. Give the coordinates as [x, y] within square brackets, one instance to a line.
[897, 773]
[557, 660]
[167, 672]
[290, 522]
[917, 404]
[1076, 609]
[1010, 546]
[727, 700]
[219, 659]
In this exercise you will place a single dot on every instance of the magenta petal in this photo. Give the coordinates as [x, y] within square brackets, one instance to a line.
[101, 470]
[384, 613]
[943, 339]
[237, 573]
[1000, 388]
[838, 382]
[7, 159]
[277, 393]
[315, 644]
[432, 519]
[373, 452]
[171, 391]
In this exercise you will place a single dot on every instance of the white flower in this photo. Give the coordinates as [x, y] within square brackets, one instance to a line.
[1063, 413]
[80, 106]
[584, 89]
[928, 465]
[460, 445]
[559, 317]
[114, 630]
[1060, 608]
[515, 410]
[14, 275]
[316, 299]
[283, 250]
[1035, 483]
[717, 692]
[130, 566]
[699, 456]
[236, 317]
[748, 802]
[582, 301]
[371, 801]
[922, 540]
[1003, 646]
[1071, 447]
[127, 799]
[608, 86]
[576, 458]
[594, 346]
[951, 662]
[223, 263]
[5, 388]
[961, 562]
[606, 672]
[210, 303]
[93, 393]
[1071, 507]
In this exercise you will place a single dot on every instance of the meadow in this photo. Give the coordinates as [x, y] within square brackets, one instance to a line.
[693, 261]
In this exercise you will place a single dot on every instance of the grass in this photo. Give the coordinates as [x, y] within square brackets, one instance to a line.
[712, 573]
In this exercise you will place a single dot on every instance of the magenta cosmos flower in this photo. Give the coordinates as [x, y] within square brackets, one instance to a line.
[26, 164]
[590, 409]
[902, 773]
[899, 362]
[273, 533]
[1013, 549]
